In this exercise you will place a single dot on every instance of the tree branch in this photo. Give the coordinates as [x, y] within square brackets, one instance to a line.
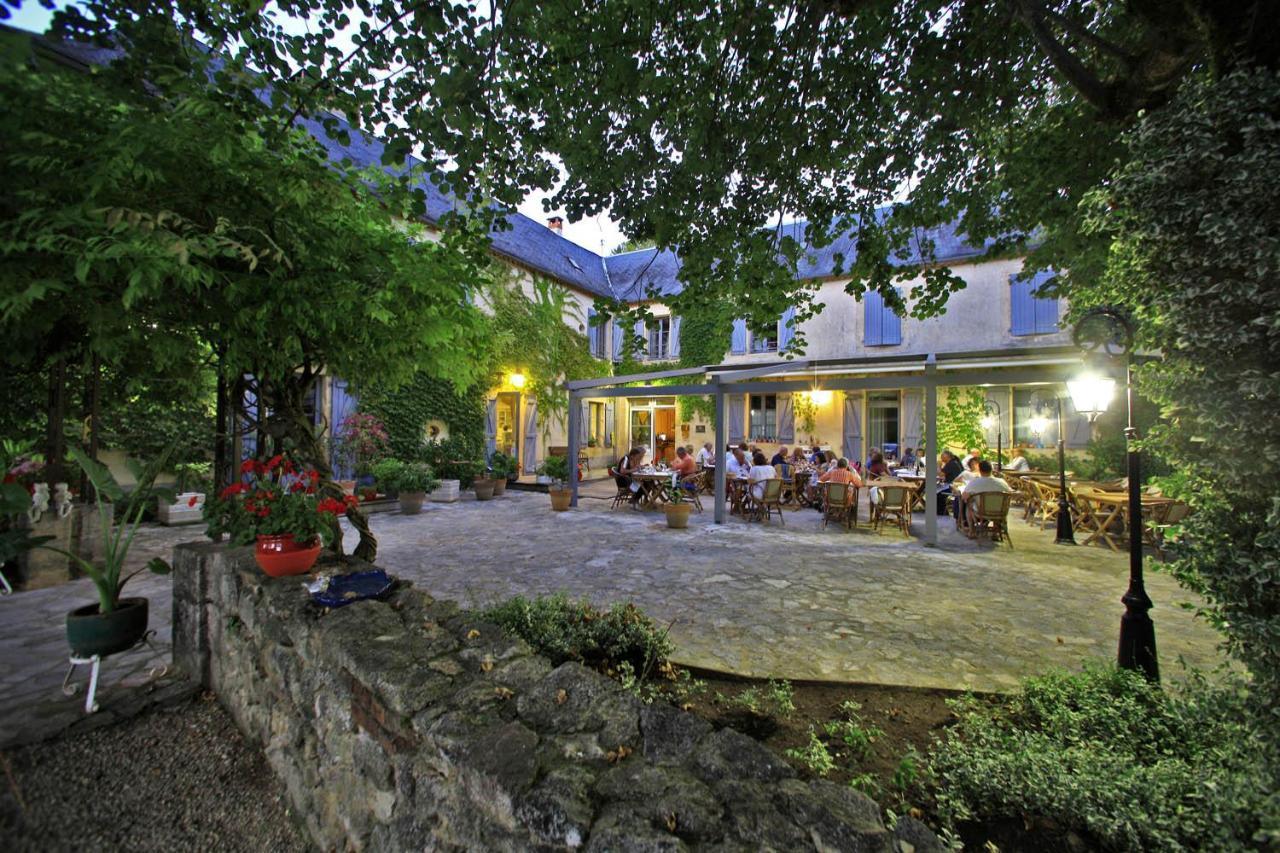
[1092, 89]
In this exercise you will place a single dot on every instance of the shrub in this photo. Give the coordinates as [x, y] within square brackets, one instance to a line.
[452, 459]
[392, 475]
[568, 630]
[555, 467]
[1106, 753]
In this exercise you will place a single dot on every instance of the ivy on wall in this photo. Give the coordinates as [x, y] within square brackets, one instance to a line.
[704, 338]
[960, 418]
[407, 410]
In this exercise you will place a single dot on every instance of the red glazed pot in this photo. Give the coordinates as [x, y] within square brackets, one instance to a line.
[281, 556]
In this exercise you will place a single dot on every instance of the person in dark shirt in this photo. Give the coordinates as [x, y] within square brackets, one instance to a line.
[779, 458]
[949, 470]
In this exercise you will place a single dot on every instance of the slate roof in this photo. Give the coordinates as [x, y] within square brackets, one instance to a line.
[628, 276]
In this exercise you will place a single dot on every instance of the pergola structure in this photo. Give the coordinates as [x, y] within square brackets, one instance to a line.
[1039, 366]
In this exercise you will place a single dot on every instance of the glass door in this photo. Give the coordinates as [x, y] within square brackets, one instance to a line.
[642, 428]
[664, 440]
[508, 416]
[882, 422]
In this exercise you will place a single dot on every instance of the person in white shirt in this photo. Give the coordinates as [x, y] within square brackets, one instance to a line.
[736, 465]
[974, 453]
[1018, 462]
[706, 456]
[980, 484]
[760, 471]
[961, 481]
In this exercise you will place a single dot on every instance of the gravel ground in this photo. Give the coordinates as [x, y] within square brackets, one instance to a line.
[175, 778]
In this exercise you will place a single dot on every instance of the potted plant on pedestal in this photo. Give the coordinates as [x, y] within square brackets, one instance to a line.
[363, 441]
[676, 506]
[113, 623]
[275, 507]
[410, 481]
[504, 469]
[557, 469]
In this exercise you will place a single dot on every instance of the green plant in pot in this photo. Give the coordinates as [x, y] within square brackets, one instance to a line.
[557, 469]
[504, 468]
[410, 481]
[676, 505]
[114, 623]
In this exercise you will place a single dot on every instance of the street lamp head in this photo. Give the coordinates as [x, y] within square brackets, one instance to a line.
[1091, 393]
[988, 422]
[1038, 423]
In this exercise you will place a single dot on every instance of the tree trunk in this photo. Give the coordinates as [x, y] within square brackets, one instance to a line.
[92, 410]
[221, 466]
[55, 443]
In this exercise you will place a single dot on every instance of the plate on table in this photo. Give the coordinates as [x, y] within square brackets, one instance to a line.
[348, 589]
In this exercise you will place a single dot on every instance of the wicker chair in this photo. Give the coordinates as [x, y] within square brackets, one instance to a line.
[894, 503]
[763, 507]
[1046, 504]
[840, 501]
[990, 515]
[692, 485]
[623, 496]
[1086, 518]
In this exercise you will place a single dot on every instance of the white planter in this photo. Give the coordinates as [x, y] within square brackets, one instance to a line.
[447, 492]
[181, 511]
[544, 480]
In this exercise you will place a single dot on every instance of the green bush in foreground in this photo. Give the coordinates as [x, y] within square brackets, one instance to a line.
[567, 630]
[1106, 753]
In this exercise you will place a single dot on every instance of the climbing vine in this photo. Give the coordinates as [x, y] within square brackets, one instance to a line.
[704, 337]
[960, 418]
[407, 410]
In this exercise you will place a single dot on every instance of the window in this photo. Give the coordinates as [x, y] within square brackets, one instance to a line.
[595, 334]
[1030, 314]
[659, 337]
[595, 423]
[763, 343]
[763, 424]
[883, 327]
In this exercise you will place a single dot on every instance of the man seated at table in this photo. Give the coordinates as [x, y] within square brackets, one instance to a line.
[684, 464]
[983, 482]
[908, 458]
[706, 456]
[736, 465]
[1018, 462]
[842, 473]
[949, 470]
[779, 458]
[759, 472]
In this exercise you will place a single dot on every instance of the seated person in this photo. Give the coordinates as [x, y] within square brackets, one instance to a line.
[947, 473]
[842, 473]
[798, 456]
[759, 472]
[961, 482]
[626, 466]
[876, 467]
[983, 482]
[736, 465]
[908, 458]
[872, 454]
[779, 458]
[684, 464]
[1018, 462]
[706, 456]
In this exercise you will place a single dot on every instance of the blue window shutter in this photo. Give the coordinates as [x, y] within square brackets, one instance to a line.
[1046, 309]
[786, 331]
[891, 326]
[738, 344]
[673, 345]
[617, 339]
[593, 333]
[873, 303]
[639, 332]
[1023, 311]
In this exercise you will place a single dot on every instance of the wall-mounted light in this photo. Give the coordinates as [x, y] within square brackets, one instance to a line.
[516, 380]
[820, 397]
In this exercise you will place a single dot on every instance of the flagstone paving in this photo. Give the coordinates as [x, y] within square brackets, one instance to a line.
[793, 601]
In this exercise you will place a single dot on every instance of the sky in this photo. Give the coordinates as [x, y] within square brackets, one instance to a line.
[599, 234]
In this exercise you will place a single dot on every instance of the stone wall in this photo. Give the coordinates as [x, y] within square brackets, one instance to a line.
[411, 724]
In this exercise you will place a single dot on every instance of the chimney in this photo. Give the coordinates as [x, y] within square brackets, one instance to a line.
[556, 224]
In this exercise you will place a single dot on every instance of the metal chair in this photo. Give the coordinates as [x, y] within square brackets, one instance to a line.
[991, 515]
[840, 501]
[692, 485]
[894, 503]
[623, 495]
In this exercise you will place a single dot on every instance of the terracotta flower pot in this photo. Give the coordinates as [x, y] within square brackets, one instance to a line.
[484, 489]
[499, 486]
[560, 499]
[411, 502]
[678, 515]
[281, 556]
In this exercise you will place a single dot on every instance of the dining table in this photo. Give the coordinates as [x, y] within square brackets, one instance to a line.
[651, 487]
[1112, 522]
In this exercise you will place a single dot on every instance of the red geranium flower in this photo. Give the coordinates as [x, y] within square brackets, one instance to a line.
[232, 490]
[313, 475]
[333, 506]
[193, 500]
[296, 487]
[274, 462]
[248, 465]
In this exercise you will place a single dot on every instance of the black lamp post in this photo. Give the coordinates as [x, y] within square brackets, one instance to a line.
[1108, 333]
[991, 415]
[1066, 531]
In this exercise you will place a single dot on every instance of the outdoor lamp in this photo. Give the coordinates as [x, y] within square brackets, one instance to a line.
[820, 397]
[516, 380]
[1038, 423]
[1091, 393]
[988, 421]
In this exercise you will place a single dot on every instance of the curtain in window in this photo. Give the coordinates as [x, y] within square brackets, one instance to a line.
[673, 346]
[531, 435]
[851, 431]
[737, 414]
[786, 420]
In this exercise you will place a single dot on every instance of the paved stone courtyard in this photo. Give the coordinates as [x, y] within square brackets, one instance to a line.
[791, 601]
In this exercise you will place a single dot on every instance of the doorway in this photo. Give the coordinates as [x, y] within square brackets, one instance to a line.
[882, 421]
[653, 427]
[508, 423]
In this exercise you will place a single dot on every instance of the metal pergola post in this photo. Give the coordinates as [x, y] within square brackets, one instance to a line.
[722, 456]
[572, 451]
[931, 452]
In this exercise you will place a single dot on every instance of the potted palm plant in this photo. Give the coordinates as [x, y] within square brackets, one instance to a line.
[276, 507]
[556, 468]
[676, 505]
[113, 623]
[504, 468]
[410, 481]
